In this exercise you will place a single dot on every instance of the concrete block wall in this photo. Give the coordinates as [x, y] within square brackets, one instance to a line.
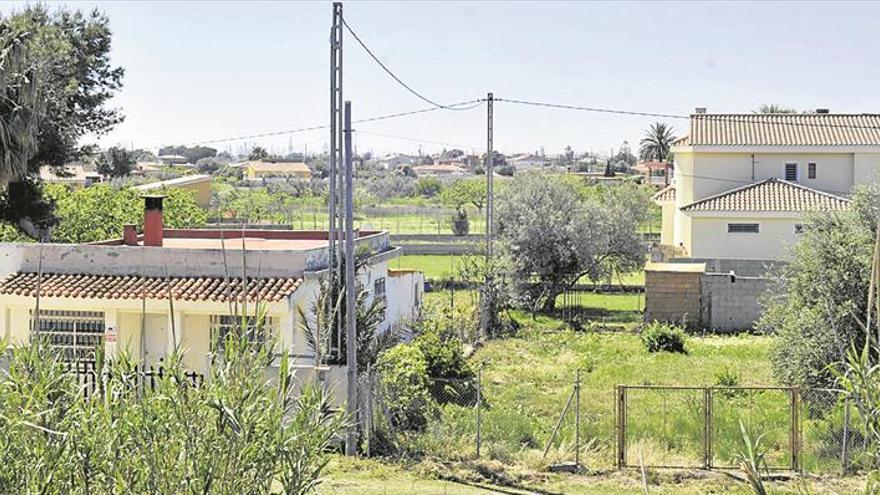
[732, 304]
[673, 296]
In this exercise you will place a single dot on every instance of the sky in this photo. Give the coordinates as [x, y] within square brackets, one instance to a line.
[204, 71]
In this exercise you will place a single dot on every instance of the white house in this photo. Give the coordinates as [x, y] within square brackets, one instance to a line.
[744, 182]
[167, 289]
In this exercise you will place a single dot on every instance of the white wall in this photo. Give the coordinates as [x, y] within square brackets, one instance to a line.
[866, 167]
[710, 239]
[715, 173]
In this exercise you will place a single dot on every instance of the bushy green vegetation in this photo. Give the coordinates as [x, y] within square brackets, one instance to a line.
[663, 337]
[235, 433]
[99, 212]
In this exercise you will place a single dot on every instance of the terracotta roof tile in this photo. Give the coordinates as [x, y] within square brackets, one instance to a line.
[770, 195]
[136, 287]
[782, 129]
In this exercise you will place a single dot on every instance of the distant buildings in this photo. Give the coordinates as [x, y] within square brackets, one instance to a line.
[199, 185]
[447, 170]
[265, 169]
[75, 176]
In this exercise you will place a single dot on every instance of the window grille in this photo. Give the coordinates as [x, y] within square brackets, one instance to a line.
[224, 325]
[74, 335]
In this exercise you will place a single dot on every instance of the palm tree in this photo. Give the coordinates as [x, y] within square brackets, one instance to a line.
[774, 108]
[655, 145]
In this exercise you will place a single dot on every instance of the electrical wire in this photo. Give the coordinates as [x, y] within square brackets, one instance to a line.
[464, 105]
[393, 75]
[415, 140]
[730, 118]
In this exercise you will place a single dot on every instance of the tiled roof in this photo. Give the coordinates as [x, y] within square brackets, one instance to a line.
[770, 195]
[783, 129]
[665, 194]
[135, 287]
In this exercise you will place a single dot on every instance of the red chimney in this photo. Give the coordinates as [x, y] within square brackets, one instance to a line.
[129, 234]
[153, 223]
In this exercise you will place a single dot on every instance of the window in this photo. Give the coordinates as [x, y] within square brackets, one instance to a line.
[811, 170]
[224, 325]
[379, 294]
[742, 228]
[379, 289]
[75, 335]
[798, 229]
[791, 172]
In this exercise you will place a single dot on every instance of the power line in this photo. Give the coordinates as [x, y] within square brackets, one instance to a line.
[733, 118]
[393, 75]
[464, 105]
[415, 140]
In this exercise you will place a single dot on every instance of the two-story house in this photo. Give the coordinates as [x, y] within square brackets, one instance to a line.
[744, 185]
[744, 182]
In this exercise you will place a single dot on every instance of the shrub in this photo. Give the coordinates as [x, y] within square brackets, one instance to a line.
[666, 337]
[403, 381]
[450, 377]
[727, 378]
[460, 224]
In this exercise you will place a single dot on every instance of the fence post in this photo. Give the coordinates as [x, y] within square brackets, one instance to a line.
[793, 434]
[621, 426]
[844, 451]
[577, 419]
[707, 434]
[479, 407]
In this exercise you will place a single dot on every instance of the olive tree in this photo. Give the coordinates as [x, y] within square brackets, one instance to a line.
[818, 300]
[553, 232]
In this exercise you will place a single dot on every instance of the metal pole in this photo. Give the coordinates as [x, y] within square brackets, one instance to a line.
[490, 172]
[577, 420]
[844, 451]
[335, 91]
[479, 407]
[350, 325]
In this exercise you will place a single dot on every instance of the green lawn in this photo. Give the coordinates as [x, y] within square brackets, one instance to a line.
[446, 266]
[433, 266]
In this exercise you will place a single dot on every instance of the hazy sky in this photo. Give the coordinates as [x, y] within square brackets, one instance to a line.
[199, 71]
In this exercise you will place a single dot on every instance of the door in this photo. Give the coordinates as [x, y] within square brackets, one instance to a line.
[155, 339]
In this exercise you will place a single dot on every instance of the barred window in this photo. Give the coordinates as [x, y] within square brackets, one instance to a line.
[742, 228]
[223, 325]
[379, 289]
[74, 335]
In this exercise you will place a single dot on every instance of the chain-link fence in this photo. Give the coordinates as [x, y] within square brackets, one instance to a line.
[562, 423]
[815, 431]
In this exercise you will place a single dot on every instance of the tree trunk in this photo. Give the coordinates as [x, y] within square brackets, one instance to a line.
[550, 302]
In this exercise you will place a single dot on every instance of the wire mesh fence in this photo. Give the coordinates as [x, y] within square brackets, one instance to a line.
[813, 431]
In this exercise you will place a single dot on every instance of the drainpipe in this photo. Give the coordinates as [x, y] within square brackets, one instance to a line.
[753, 167]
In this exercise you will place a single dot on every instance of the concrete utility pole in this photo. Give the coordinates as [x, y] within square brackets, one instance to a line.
[485, 316]
[335, 158]
[350, 322]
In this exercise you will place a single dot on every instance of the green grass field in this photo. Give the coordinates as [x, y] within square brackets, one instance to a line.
[446, 266]
[526, 382]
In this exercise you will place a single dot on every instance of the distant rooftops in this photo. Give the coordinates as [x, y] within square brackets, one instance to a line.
[782, 129]
[180, 181]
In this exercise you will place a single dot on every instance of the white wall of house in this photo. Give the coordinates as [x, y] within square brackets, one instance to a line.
[667, 224]
[710, 237]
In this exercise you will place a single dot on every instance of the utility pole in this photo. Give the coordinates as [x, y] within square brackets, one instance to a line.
[350, 322]
[335, 158]
[488, 295]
